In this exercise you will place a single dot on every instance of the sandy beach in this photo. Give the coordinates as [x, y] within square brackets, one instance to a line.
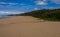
[27, 26]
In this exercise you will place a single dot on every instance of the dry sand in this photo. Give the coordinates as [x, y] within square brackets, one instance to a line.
[27, 26]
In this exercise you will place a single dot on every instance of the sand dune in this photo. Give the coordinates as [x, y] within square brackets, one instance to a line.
[27, 26]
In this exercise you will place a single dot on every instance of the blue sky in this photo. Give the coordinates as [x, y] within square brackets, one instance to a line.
[20, 6]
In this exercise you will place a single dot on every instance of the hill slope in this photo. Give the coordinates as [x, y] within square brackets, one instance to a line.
[53, 15]
[45, 14]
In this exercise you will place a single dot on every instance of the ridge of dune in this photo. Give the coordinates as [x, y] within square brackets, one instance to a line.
[27, 26]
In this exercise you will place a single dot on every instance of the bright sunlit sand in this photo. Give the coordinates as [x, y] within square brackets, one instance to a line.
[27, 26]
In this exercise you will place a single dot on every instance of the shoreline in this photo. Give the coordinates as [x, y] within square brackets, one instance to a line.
[41, 20]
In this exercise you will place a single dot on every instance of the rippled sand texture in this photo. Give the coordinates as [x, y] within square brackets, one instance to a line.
[27, 26]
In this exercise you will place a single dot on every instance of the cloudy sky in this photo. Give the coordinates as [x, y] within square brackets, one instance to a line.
[20, 6]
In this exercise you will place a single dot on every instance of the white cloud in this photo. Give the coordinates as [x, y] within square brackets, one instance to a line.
[5, 12]
[41, 2]
[35, 8]
[8, 3]
[56, 1]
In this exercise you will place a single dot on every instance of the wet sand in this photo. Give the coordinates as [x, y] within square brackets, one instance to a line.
[27, 26]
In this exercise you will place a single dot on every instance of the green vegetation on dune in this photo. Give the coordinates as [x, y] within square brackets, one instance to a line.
[52, 15]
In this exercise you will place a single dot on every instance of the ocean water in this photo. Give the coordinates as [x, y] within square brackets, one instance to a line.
[3, 15]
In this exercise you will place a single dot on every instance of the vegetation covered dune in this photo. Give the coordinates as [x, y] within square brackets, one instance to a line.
[45, 14]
